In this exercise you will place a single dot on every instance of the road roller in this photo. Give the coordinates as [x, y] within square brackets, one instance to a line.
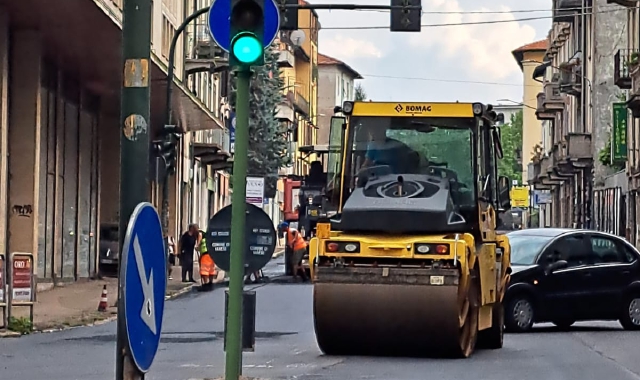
[411, 263]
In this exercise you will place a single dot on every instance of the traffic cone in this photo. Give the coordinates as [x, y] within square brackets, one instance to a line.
[102, 306]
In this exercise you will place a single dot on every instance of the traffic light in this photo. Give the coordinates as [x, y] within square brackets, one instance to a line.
[406, 19]
[288, 15]
[166, 147]
[247, 30]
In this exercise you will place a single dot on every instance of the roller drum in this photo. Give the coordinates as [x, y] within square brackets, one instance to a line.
[395, 320]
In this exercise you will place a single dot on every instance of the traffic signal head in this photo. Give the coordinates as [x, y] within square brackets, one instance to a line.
[247, 31]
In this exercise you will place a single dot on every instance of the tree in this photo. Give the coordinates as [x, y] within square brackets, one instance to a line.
[360, 94]
[267, 136]
[511, 137]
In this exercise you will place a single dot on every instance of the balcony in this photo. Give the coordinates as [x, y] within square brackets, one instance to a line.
[578, 149]
[634, 94]
[300, 103]
[534, 176]
[622, 61]
[571, 80]
[286, 59]
[624, 3]
[562, 168]
[547, 177]
[284, 112]
[553, 98]
[205, 55]
[566, 10]
[541, 112]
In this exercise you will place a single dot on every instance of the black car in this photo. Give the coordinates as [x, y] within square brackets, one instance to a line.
[109, 247]
[567, 275]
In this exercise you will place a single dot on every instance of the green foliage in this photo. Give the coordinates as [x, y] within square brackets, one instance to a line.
[20, 325]
[267, 136]
[360, 94]
[511, 138]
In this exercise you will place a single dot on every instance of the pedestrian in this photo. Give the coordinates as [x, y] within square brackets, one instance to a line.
[187, 246]
[207, 265]
[171, 250]
[298, 245]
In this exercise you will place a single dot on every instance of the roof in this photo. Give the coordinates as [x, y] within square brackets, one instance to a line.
[325, 60]
[518, 54]
[550, 232]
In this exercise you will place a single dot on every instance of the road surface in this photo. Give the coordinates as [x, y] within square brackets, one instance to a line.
[191, 348]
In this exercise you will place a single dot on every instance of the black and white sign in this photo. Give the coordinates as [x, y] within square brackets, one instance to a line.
[260, 238]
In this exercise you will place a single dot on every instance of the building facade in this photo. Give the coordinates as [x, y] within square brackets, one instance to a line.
[576, 105]
[336, 85]
[60, 78]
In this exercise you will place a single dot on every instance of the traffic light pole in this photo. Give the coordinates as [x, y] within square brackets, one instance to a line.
[134, 146]
[236, 276]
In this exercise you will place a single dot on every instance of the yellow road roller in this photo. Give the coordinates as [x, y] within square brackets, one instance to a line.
[411, 264]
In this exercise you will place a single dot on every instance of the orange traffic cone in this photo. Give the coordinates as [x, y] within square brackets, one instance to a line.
[102, 306]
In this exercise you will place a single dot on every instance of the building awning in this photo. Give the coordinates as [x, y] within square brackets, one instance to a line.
[212, 155]
[540, 70]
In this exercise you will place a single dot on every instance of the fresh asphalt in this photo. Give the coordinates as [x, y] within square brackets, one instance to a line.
[191, 348]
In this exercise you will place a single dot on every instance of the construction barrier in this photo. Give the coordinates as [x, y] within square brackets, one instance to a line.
[21, 282]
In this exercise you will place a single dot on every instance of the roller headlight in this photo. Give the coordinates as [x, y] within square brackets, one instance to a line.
[423, 249]
[350, 247]
[347, 107]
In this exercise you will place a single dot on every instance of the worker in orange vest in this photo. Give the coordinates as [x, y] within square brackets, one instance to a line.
[299, 247]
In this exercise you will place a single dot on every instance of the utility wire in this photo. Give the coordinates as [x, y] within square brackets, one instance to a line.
[446, 80]
[478, 12]
[462, 23]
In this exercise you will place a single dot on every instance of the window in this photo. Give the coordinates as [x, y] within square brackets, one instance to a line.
[607, 251]
[573, 250]
[168, 30]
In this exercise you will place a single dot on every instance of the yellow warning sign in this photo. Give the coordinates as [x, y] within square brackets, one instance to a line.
[519, 196]
[413, 109]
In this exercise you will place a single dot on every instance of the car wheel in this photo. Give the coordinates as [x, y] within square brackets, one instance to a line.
[630, 319]
[519, 314]
[564, 324]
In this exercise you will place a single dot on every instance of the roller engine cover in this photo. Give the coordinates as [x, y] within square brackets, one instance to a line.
[425, 205]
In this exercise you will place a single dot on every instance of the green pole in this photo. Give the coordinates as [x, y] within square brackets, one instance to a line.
[134, 145]
[238, 215]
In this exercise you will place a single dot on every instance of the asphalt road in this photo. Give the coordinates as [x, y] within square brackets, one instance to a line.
[191, 348]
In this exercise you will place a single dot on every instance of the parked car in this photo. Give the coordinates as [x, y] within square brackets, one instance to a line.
[567, 275]
[109, 247]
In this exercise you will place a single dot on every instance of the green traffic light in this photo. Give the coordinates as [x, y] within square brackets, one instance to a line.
[246, 48]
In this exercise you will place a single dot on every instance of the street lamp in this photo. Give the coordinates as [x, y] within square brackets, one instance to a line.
[518, 103]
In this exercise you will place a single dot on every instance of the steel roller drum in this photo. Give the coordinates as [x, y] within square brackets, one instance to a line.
[394, 320]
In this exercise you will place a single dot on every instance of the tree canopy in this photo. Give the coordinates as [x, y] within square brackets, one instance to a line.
[360, 94]
[267, 136]
[511, 137]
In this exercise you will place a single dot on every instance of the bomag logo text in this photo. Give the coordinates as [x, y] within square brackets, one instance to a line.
[410, 108]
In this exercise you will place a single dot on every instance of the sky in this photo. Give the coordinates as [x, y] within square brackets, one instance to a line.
[440, 63]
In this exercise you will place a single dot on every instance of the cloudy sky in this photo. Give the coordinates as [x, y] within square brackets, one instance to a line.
[430, 65]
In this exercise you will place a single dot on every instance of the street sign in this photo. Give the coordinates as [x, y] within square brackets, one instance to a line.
[519, 197]
[232, 132]
[144, 284]
[219, 25]
[541, 198]
[260, 238]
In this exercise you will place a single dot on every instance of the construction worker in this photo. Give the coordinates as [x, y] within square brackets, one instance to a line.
[298, 245]
[207, 266]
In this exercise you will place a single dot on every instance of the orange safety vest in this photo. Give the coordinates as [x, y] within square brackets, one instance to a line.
[295, 240]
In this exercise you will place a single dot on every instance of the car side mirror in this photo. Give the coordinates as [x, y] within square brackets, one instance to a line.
[560, 264]
[504, 188]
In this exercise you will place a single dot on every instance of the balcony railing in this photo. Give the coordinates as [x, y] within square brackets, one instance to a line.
[541, 112]
[579, 146]
[621, 62]
[624, 3]
[301, 103]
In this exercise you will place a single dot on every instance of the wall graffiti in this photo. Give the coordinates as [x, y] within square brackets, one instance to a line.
[22, 210]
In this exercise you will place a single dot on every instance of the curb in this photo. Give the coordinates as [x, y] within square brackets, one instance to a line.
[13, 334]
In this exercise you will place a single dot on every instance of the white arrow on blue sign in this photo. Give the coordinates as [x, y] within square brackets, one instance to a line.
[144, 284]
[220, 28]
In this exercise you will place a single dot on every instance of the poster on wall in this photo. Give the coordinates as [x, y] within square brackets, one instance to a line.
[21, 279]
[255, 191]
[2, 279]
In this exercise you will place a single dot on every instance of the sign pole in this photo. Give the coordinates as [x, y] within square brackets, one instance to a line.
[134, 146]
[236, 275]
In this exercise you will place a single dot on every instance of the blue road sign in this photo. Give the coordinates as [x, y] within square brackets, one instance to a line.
[144, 284]
[219, 28]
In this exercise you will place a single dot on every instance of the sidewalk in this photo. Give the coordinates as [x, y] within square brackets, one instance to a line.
[76, 304]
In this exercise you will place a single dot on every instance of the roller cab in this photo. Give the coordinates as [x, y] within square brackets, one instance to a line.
[411, 263]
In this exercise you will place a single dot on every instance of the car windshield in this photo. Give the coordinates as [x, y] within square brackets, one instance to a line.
[525, 248]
